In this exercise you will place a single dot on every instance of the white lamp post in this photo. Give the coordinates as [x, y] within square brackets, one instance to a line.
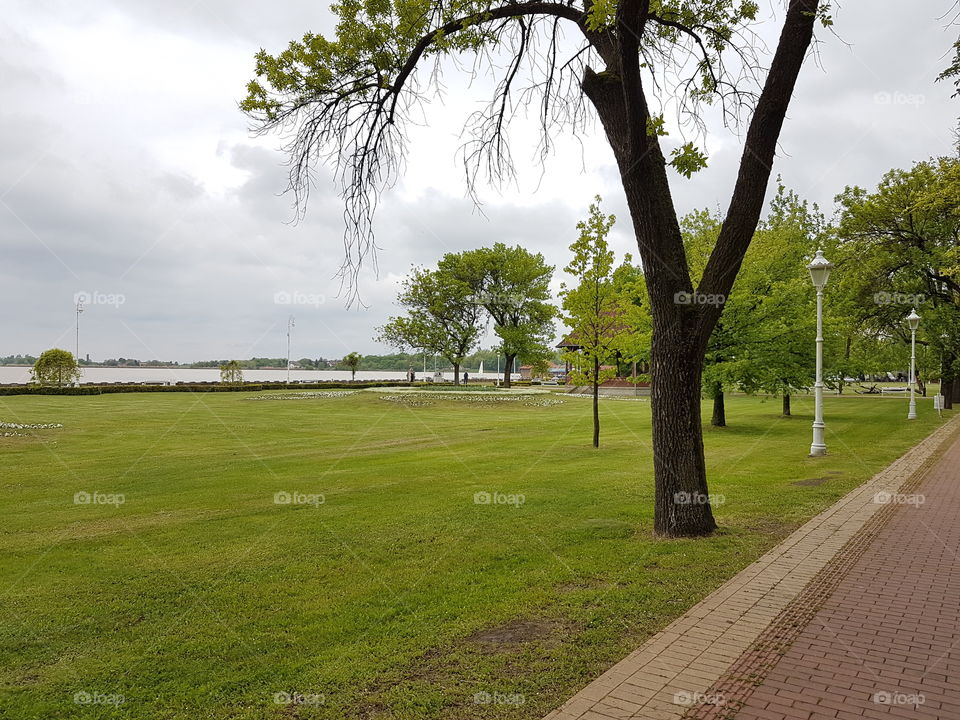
[290, 324]
[79, 310]
[819, 272]
[913, 320]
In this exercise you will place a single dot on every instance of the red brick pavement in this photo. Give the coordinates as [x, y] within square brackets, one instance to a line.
[886, 643]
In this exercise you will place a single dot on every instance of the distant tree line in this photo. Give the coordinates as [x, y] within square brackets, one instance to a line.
[405, 361]
[18, 360]
[391, 361]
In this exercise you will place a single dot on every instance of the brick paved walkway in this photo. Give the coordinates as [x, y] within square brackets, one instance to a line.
[886, 643]
[874, 574]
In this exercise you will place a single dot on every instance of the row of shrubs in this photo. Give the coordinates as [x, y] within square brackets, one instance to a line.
[193, 387]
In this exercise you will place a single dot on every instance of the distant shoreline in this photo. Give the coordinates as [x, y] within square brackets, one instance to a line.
[20, 375]
[265, 367]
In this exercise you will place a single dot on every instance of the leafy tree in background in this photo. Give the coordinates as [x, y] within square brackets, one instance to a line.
[443, 318]
[56, 367]
[776, 298]
[764, 339]
[596, 311]
[349, 99]
[786, 242]
[352, 363]
[634, 345]
[540, 367]
[231, 373]
[513, 286]
[899, 247]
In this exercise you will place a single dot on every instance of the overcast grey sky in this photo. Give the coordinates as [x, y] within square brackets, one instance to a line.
[126, 169]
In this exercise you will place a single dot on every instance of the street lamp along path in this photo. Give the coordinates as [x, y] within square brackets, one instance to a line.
[79, 310]
[913, 321]
[290, 325]
[819, 269]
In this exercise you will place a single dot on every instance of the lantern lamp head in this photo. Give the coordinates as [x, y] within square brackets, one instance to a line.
[819, 269]
[913, 319]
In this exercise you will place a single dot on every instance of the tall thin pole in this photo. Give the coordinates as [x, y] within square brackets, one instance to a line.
[79, 310]
[912, 412]
[818, 447]
[290, 324]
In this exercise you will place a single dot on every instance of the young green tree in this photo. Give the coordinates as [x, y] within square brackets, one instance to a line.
[231, 373]
[539, 367]
[513, 286]
[773, 301]
[55, 367]
[352, 363]
[595, 309]
[443, 318]
[349, 98]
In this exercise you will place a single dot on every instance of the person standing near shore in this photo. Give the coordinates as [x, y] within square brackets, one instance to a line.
[465, 377]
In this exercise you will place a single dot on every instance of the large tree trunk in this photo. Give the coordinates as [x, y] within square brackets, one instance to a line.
[786, 404]
[596, 402]
[681, 330]
[719, 418]
[681, 507]
[456, 373]
[681, 501]
[506, 370]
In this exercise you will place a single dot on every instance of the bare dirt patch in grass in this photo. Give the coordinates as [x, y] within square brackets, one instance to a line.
[813, 482]
[502, 638]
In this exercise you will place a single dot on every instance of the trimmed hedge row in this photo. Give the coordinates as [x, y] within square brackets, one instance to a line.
[194, 387]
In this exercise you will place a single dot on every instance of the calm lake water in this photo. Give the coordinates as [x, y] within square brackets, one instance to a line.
[192, 375]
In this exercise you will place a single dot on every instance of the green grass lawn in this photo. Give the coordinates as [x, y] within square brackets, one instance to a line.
[398, 596]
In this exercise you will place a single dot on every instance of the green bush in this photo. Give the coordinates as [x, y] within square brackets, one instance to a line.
[49, 390]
